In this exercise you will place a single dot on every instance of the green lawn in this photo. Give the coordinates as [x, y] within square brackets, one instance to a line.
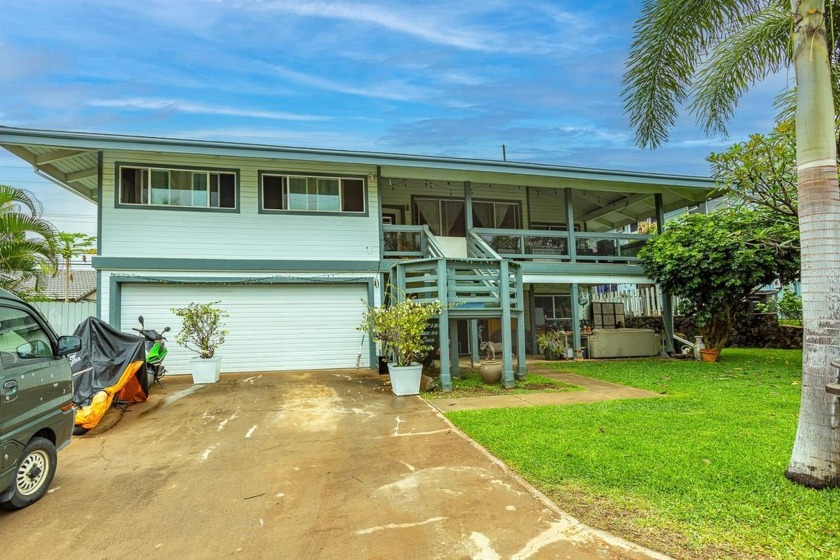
[471, 385]
[697, 475]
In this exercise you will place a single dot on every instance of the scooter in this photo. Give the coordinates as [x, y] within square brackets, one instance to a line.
[155, 352]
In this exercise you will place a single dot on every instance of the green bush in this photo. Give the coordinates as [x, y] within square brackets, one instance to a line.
[201, 329]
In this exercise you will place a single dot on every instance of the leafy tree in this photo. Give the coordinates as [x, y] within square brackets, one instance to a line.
[712, 262]
[27, 241]
[761, 173]
[69, 246]
[708, 53]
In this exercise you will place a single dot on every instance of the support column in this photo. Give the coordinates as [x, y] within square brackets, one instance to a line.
[532, 305]
[474, 349]
[507, 353]
[667, 307]
[398, 290]
[521, 366]
[454, 366]
[570, 223]
[443, 328]
[576, 323]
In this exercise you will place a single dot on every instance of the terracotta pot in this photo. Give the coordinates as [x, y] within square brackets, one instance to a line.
[709, 354]
[490, 371]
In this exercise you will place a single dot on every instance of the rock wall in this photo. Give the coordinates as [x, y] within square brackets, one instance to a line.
[754, 330]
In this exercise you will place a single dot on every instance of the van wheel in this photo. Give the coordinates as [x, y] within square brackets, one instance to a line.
[80, 431]
[33, 474]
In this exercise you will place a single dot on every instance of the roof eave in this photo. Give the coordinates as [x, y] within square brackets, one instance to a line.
[390, 162]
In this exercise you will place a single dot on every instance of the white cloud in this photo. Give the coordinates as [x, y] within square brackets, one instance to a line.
[199, 108]
[447, 24]
[381, 89]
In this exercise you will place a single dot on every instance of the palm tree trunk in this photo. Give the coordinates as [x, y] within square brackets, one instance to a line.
[816, 453]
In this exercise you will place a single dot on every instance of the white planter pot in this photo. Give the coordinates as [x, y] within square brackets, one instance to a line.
[405, 380]
[206, 370]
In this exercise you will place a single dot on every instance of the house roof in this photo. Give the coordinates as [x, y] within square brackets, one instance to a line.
[82, 285]
[70, 159]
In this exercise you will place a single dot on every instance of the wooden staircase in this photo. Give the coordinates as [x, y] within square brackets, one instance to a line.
[481, 286]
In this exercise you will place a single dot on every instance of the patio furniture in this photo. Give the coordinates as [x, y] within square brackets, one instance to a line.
[623, 343]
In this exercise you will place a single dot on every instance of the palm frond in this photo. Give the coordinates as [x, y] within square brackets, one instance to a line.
[27, 255]
[13, 224]
[11, 195]
[672, 37]
[754, 49]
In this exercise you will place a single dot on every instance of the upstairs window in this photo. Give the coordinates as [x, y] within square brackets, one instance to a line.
[313, 194]
[496, 215]
[151, 186]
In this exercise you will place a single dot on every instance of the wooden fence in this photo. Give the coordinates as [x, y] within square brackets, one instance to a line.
[641, 302]
[65, 317]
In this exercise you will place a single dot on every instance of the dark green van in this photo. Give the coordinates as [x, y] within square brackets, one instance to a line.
[36, 410]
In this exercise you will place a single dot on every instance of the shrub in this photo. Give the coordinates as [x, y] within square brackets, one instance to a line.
[201, 329]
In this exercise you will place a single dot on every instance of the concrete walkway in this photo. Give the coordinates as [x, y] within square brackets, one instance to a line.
[594, 391]
[299, 465]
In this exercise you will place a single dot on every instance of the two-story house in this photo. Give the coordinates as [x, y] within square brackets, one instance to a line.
[294, 242]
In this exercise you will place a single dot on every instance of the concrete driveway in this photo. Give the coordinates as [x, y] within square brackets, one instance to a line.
[291, 465]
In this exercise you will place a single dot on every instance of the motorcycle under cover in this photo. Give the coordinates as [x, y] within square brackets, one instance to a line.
[110, 363]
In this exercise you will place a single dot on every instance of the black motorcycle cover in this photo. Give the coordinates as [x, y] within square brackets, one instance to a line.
[110, 363]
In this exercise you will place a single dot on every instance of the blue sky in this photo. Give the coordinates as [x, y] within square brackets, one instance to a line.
[435, 77]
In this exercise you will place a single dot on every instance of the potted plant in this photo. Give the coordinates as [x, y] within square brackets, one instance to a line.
[553, 344]
[400, 329]
[202, 332]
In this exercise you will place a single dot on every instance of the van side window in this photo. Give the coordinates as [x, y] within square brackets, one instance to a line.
[21, 339]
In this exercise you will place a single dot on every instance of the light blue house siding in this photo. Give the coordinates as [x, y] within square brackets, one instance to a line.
[295, 282]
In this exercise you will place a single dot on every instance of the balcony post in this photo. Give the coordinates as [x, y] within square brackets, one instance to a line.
[570, 223]
[667, 306]
[468, 214]
[379, 209]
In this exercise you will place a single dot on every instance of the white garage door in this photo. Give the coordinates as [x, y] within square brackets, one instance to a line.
[271, 327]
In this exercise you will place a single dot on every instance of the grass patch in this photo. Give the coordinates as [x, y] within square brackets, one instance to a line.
[471, 385]
[695, 475]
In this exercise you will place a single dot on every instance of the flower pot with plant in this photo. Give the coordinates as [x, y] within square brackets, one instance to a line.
[553, 344]
[202, 333]
[399, 328]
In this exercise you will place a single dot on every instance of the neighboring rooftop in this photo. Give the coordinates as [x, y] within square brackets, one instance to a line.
[82, 285]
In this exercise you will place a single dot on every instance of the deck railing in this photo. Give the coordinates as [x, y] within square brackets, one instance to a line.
[399, 242]
[469, 286]
[546, 245]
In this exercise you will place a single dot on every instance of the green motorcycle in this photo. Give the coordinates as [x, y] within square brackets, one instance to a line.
[155, 352]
